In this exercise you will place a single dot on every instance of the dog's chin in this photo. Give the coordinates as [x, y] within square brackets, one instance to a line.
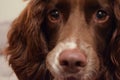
[81, 75]
[74, 78]
[67, 78]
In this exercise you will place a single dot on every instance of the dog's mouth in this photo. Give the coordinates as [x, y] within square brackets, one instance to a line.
[67, 78]
[71, 78]
[75, 77]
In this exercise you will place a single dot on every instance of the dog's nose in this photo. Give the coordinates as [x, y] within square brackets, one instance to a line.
[72, 60]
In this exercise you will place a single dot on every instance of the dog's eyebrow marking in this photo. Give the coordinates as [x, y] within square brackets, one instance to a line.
[92, 4]
[62, 5]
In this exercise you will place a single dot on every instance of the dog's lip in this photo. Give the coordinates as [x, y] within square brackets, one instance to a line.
[67, 78]
[71, 78]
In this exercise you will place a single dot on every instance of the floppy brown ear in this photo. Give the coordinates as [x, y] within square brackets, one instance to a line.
[115, 46]
[27, 46]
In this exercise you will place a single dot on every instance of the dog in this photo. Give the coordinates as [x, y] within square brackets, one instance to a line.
[66, 40]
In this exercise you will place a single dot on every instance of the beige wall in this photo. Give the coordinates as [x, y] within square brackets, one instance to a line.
[9, 9]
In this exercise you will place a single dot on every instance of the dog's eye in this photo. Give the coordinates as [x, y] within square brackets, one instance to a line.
[101, 16]
[54, 16]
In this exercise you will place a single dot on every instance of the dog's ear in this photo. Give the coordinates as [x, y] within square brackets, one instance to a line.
[115, 46]
[27, 46]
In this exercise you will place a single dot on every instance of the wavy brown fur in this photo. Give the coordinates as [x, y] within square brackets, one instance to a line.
[28, 46]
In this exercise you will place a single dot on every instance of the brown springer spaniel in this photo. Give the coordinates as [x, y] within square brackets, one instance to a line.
[66, 40]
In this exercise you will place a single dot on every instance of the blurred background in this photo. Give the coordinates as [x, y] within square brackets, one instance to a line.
[9, 10]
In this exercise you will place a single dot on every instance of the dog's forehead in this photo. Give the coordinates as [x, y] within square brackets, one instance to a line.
[68, 2]
[79, 3]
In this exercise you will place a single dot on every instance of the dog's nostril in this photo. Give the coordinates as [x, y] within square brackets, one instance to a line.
[78, 63]
[64, 63]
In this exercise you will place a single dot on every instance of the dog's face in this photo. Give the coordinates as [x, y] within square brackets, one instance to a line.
[66, 40]
[78, 33]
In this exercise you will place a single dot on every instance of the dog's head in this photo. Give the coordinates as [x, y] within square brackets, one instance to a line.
[74, 39]
[84, 33]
